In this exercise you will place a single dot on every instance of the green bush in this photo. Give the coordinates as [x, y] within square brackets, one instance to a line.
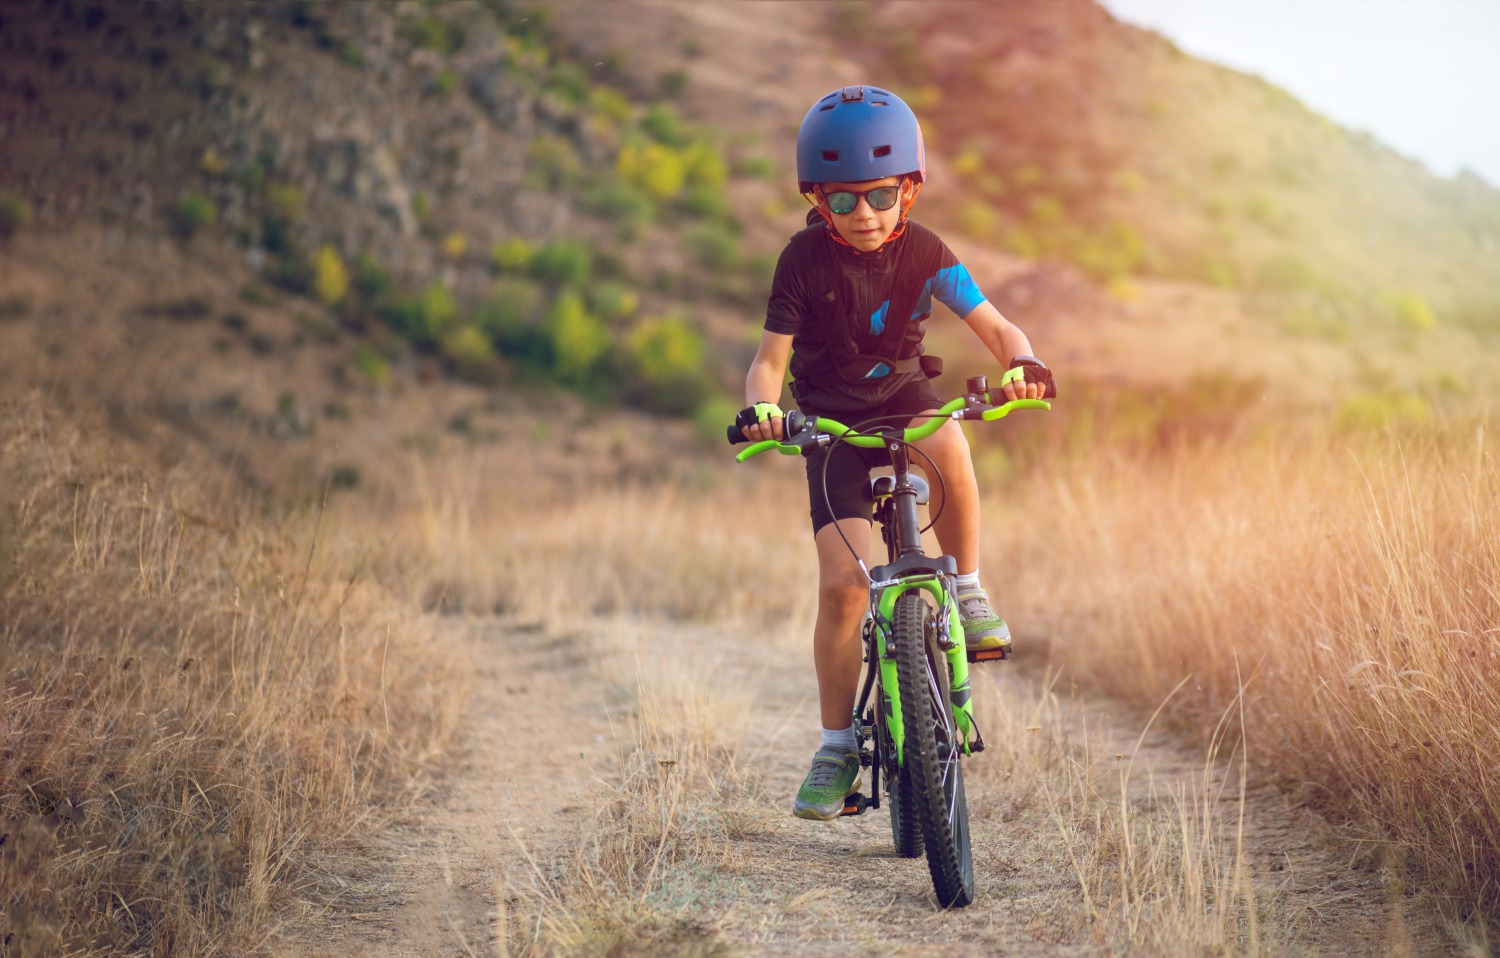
[1375, 411]
[371, 280]
[446, 81]
[563, 263]
[672, 82]
[579, 341]
[612, 300]
[657, 169]
[663, 348]
[512, 256]
[713, 415]
[714, 245]
[707, 202]
[664, 124]
[1411, 311]
[511, 318]
[15, 215]
[977, 220]
[467, 347]
[430, 33]
[330, 278]
[424, 318]
[552, 163]
[623, 204]
[569, 82]
[372, 365]
[193, 212]
[758, 167]
[666, 357]
[610, 104]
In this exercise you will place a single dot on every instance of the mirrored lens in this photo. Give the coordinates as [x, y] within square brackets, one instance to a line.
[843, 203]
[881, 198]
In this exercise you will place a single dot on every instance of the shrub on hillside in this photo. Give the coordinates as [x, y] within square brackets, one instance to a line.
[553, 163]
[422, 318]
[371, 364]
[193, 212]
[15, 215]
[578, 340]
[468, 348]
[1411, 311]
[625, 205]
[330, 278]
[714, 246]
[511, 318]
[664, 124]
[611, 300]
[512, 256]
[1365, 412]
[666, 359]
[563, 262]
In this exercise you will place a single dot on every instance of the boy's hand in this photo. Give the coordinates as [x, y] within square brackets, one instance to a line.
[1027, 378]
[760, 422]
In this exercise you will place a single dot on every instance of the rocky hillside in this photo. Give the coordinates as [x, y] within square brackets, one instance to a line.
[365, 197]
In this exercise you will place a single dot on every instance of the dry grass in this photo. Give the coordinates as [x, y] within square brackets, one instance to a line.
[1158, 862]
[1351, 582]
[196, 707]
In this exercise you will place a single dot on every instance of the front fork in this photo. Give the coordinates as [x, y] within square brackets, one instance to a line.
[950, 638]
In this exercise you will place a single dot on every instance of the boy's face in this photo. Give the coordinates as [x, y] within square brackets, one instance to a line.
[864, 227]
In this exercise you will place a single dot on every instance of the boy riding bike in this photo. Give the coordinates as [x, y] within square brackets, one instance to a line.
[848, 306]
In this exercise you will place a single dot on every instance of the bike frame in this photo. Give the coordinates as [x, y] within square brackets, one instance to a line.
[911, 569]
[908, 568]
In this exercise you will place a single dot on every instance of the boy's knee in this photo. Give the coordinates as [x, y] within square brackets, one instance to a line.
[843, 594]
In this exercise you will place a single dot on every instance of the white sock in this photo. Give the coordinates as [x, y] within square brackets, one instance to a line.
[967, 582]
[839, 738]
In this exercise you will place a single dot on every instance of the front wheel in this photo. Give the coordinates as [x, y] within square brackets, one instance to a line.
[931, 760]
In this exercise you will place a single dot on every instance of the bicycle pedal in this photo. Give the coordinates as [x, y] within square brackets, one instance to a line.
[989, 655]
[855, 804]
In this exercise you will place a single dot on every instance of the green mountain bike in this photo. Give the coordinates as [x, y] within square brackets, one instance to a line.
[914, 716]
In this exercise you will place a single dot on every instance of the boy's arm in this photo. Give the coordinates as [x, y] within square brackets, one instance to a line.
[1005, 341]
[763, 381]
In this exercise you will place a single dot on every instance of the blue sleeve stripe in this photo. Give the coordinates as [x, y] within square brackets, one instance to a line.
[956, 289]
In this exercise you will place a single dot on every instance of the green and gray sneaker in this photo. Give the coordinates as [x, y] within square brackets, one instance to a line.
[983, 629]
[834, 777]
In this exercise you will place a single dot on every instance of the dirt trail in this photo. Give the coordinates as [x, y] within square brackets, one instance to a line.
[452, 879]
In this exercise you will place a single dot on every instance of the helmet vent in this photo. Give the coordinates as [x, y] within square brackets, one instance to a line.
[826, 108]
[879, 103]
[882, 151]
[831, 156]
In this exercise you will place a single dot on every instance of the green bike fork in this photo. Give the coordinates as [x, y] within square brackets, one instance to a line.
[959, 693]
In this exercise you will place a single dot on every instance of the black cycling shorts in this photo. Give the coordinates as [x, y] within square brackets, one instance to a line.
[849, 467]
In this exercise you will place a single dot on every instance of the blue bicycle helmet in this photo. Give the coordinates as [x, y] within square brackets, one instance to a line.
[859, 133]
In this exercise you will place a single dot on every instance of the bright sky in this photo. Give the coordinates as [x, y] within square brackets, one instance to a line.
[1423, 76]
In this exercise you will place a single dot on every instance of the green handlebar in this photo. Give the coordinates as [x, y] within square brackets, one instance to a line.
[842, 432]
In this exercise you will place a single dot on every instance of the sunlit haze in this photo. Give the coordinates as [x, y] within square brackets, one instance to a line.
[1423, 76]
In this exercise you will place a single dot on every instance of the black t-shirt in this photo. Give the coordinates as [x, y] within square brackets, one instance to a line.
[798, 306]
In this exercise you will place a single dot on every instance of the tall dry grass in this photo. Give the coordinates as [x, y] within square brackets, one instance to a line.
[1159, 862]
[1350, 582]
[196, 708]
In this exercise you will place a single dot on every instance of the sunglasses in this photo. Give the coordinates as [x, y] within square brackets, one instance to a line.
[880, 199]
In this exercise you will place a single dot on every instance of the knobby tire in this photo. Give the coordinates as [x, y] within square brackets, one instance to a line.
[906, 830]
[932, 753]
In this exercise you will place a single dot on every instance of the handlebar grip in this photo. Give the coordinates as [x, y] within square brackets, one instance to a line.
[735, 436]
